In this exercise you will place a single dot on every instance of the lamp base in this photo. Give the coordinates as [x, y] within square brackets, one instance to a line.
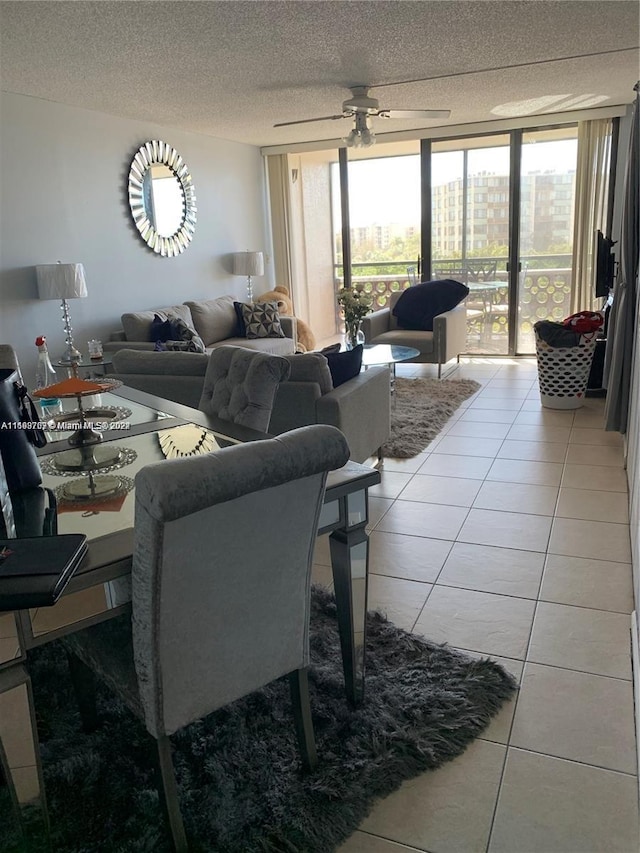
[71, 355]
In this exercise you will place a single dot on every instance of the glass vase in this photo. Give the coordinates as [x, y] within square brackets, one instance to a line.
[355, 335]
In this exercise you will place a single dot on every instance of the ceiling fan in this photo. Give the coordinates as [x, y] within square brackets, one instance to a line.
[361, 108]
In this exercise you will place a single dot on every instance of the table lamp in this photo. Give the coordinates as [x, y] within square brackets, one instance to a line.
[63, 281]
[249, 264]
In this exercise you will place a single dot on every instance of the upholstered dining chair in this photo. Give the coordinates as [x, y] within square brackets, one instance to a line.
[240, 385]
[198, 582]
[8, 358]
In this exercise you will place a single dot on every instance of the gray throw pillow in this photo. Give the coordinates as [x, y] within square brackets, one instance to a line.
[262, 320]
[183, 338]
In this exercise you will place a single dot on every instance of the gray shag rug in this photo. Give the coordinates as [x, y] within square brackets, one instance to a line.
[421, 408]
[238, 769]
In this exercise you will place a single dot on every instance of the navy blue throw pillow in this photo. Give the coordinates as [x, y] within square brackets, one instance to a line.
[419, 304]
[241, 329]
[344, 365]
[160, 329]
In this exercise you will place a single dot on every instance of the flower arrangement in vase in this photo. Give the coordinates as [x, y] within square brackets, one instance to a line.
[355, 304]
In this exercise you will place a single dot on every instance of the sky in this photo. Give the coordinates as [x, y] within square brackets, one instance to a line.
[387, 189]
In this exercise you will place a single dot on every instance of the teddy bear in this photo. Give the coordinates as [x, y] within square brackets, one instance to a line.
[280, 294]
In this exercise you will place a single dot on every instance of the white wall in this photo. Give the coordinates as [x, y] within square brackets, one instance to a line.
[63, 180]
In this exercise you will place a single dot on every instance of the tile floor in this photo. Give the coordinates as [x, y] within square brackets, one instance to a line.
[508, 537]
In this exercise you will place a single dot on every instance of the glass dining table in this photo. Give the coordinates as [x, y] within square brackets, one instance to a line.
[94, 489]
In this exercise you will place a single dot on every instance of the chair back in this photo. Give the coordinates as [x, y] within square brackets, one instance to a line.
[457, 273]
[240, 385]
[221, 574]
[8, 358]
[481, 270]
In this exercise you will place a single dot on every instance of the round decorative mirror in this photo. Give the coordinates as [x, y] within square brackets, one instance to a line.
[162, 198]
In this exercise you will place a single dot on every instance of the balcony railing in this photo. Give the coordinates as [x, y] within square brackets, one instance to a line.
[544, 294]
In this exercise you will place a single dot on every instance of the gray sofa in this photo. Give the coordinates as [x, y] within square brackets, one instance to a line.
[213, 319]
[360, 407]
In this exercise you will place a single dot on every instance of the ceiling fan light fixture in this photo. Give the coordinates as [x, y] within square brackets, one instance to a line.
[368, 138]
[360, 139]
[361, 136]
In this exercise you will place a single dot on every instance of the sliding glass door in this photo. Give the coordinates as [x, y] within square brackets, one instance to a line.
[470, 232]
[547, 204]
[496, 212]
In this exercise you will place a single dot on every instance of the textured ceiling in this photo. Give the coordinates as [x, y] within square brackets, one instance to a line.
[233, 69]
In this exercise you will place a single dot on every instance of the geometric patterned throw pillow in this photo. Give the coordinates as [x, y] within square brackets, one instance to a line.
[262, 320]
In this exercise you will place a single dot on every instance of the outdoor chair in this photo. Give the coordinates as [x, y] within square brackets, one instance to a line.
[479, 270]
[459, 273]
[220, 597]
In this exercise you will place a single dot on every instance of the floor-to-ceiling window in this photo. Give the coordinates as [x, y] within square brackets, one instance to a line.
[470, 231]
[384, 217]
[547, 203]
[512, 248]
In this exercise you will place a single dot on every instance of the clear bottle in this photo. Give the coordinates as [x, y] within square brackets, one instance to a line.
[45, 376]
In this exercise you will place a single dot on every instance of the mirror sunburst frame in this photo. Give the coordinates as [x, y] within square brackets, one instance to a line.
[158, 153]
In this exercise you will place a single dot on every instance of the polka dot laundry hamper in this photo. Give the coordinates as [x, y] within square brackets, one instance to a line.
[563, 372]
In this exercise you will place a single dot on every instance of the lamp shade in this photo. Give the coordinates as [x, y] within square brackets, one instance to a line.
[61, 281]
[248, 263]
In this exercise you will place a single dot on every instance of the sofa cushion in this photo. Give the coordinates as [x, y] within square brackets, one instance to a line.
[262, 320]
[127, 361]
[214, 319]
[345, 365]
[274, 346]
[419, 304]
[422, 341]
[137, 326]
[311, 367]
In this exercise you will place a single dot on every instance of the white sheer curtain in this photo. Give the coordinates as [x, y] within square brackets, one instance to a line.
[280, 202]
[592, 186]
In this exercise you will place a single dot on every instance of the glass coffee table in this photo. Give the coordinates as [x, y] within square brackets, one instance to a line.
[390, 354]
[90, 368]
[387, 354]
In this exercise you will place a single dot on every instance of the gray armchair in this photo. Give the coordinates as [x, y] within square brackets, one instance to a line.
[447, 340]
[198, 581]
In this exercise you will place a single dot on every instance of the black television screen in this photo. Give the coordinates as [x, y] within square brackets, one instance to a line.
[604, 261]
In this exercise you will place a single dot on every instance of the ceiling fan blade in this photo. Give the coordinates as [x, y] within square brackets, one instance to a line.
[307, 120]
[414, 113]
